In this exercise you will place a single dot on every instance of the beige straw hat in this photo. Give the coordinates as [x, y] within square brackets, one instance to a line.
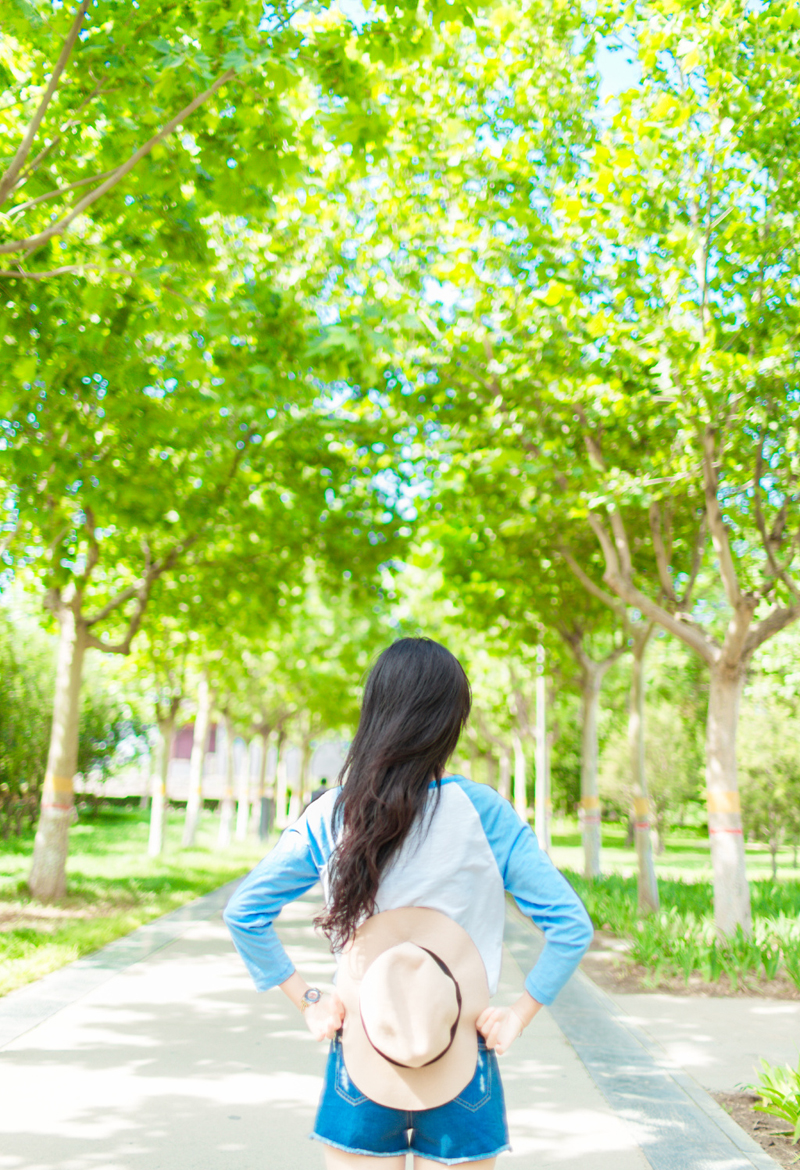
[413, 985]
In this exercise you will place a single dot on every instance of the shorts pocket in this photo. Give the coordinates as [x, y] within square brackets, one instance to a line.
[342, 1083]
[479, 1090]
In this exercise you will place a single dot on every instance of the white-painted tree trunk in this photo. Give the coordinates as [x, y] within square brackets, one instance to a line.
[258, 772]
[226, 807]
[542, 760]
[305, 772]
[243, 784]
[504, 784]
[520, 777]
[591, 682]
[48, 870]
[731, 891]
[647, 884]
[158, 806]
[202, 725]
[281, 788]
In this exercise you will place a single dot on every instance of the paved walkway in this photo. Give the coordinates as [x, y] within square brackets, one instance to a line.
[718, 1040]
[156, 1054]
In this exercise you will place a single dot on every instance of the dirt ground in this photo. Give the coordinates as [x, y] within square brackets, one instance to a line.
[761, 1127]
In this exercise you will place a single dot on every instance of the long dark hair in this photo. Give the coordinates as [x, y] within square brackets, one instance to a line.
[416, 702]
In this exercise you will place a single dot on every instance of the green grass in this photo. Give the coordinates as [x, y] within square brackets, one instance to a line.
[686, 855]
[681, 940]
[113, 887]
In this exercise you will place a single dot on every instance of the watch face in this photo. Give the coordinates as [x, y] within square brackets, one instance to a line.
[313, 995]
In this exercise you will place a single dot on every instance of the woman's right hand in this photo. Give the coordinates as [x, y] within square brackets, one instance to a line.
[500, 1027]
[324, 1019]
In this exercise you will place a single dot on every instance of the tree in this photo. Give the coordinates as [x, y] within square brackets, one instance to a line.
[703, 368]
[133, 128]
[172, 479]
[624, 319]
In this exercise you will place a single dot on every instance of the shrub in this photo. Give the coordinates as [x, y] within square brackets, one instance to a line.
[779, 1089]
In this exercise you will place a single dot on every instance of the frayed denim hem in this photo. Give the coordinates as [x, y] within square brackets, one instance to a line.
[460, 1161]
[315, 1137]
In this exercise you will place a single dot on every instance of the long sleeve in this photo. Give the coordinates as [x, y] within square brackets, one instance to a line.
[540, 891]
[284, 874]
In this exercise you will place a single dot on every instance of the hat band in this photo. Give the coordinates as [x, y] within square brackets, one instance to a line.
[453, 1030]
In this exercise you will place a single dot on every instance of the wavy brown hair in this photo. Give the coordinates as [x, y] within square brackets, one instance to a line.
[416, 702]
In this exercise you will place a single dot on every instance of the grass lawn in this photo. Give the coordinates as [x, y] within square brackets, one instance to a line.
[113, 887]
[686, 855]
[678, 949]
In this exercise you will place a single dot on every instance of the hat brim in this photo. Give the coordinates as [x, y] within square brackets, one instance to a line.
[378, 1078]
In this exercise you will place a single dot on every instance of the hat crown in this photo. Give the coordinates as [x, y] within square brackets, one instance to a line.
[409, 1005]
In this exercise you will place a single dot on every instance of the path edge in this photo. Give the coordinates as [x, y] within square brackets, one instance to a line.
[700, 1097]
[27, 1006]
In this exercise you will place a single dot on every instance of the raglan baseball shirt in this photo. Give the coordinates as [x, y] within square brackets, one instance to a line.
[459, 859]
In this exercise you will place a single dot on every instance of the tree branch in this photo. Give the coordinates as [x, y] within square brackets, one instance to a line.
[662, 561]
[589, 585]
[43, 153]
[66, 270]
[57, 228]
[716, 524]
[773, 623]
[142, 594]
[20, 207]
[9, 179]
[772, 539]
[697, 560]
[759, 515]
[621, 541]
[704, 646]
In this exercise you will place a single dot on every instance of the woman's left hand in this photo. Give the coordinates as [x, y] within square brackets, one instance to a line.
[324, 1019]
[500, 1027]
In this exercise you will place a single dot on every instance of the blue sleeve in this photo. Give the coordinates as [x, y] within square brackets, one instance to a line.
[540, 891]
[284, 874]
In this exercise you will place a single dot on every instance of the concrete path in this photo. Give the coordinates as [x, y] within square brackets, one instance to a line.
[718, 1040]
[157, 1053]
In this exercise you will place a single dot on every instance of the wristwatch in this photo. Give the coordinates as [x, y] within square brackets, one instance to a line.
[313, 995]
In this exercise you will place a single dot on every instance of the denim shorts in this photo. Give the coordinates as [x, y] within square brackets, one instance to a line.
[467, 1129]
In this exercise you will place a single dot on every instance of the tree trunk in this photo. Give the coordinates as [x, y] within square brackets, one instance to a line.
[281, 787]
[48, 877]
[504, 786]
[226, 808]
[731, 891]
[304, 782]
[202, 724]
[542, 790]
[591, 680]
[520, 778]
[270, 766]
[491, 770]
[155, 844]
[647, 884]
[243, 786]
[258, 776]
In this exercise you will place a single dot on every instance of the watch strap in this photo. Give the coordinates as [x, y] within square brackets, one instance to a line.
[312, 995]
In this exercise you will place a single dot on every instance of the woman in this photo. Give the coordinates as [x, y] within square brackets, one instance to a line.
[414, 866]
